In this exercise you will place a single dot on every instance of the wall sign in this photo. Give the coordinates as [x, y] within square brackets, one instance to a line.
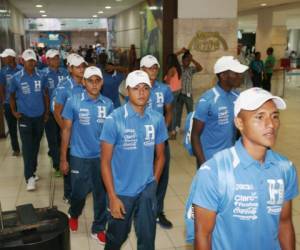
[207, 42]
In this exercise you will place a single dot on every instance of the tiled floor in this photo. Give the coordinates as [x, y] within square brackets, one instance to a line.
[12, 187]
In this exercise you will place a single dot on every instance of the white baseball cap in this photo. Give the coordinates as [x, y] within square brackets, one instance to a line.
[92, 71]
[252, 99]
[229, 63]
[8, 52]
[52, 53]
[29, 54]
[136, 77]
[75, 60]
[148, 61]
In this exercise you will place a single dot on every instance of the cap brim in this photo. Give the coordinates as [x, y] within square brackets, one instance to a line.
[30, 58]
[239, 68]
[279, 102]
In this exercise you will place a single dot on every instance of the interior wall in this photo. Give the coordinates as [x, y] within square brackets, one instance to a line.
[82, 38]
[128, 29]
[11, 27]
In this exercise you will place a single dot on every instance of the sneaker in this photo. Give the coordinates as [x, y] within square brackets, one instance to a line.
[163, 221]
[36, 177]
[99, 237]
[30, 184]
[73, 224]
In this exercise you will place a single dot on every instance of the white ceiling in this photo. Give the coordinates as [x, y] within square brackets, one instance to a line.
[245, 5]
[72, 8]
[87, 8]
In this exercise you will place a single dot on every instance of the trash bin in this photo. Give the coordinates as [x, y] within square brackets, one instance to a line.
[30, 228]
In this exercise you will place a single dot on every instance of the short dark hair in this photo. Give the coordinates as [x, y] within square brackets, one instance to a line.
[186, 54]
[270, 49]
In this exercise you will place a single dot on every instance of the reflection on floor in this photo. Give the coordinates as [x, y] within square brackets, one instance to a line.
[12, 186]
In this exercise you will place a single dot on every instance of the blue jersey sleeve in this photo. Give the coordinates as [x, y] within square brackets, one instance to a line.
[68, 111]
[161, 133]
[202, 110]
[2, 78]
[109, 131]
[13, 85]
[291, 184]
[206, 193]
[168, 95]
[61, 95]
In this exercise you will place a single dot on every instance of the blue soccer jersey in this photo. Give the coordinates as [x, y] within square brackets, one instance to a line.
[215, 109]
[249, 212]
[87, 116]
[6, 75]
[134, 138]
[54, 77]
[160, 95]
[29, 90]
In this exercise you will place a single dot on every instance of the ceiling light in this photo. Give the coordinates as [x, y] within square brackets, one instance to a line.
[94, 16]
[42, 11]
[100, 12]
[153, 8]
[263, 4]
[3, 11]
[44, 15]
[39, 6]
[107, 7]
[118, 0]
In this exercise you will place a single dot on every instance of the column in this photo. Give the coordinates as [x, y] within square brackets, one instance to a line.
[271, 31]
[209, 30]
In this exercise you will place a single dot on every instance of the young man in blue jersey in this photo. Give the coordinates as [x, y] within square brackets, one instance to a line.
[161, 98]
[6, 74]
[72, 85]
[213, 122]
[113, 76]
[54, 75]
[129, 168]
[29, 102]
[254, 210]
[84, 115]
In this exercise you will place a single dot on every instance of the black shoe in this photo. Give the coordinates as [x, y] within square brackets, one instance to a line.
[16, 153]
[163, 221]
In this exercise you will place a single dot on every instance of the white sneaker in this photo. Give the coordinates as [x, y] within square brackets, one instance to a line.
[36, 177]
[31, 184]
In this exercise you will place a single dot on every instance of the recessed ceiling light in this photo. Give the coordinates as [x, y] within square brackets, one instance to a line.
[107, 7]
[100, 12]
[3, 11]
[118, 0]
[94, 16]
[44, 15]
[39, 6]
[42, 11]
[263, 4]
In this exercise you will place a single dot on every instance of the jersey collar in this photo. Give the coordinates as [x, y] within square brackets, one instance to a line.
[86, 97]
[129, 111]
[245, 160]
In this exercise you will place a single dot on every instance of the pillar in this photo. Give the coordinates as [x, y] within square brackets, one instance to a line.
[271, 31]
[209, 30]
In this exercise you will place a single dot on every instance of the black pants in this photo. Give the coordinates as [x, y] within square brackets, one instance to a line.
[31, 132]
[53, 137]
[267, 81]
[141, 208]
[256, 79]
[12, 128]
[163, 181]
